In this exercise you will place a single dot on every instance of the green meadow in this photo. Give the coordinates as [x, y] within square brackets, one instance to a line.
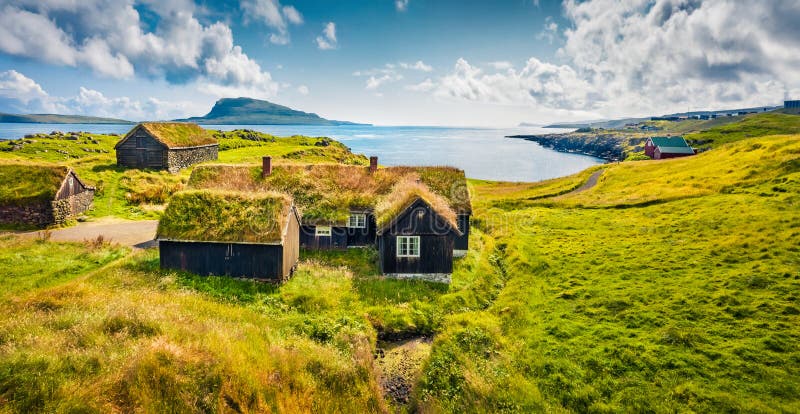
[670, 286]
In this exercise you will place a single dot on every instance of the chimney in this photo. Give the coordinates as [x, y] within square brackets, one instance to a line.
[373, 164]
[266, 166]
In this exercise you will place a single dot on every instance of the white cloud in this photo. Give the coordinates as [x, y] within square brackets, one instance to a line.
[21, 94]
[275, 16]
[327, 40]
[401, 5]
[375, 82]
[418, 65]
[16, 86]
[537, 83]
[424, 86]
[109, 37]
[550, 30]
[292, 15]
[303, 90]
[501, 65]
[643, 57]
[391, 72]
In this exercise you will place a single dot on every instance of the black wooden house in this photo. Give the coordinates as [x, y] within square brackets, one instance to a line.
[246, 235]
[168, 146]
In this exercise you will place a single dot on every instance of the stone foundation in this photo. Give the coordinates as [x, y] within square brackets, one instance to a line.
[430, 277]
[44, 213]
[39, 214]
[178, 159]
[71, 206]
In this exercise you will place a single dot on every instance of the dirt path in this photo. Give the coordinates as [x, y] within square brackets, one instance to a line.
[591, 182]
[400, 364]
[136, 233]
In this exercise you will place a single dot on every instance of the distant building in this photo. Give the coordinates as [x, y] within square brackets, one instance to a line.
[41, 195]
[791, 104]
[659, 148]
[168, 146]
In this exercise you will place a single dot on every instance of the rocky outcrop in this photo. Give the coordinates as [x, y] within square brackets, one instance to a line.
[608, 147]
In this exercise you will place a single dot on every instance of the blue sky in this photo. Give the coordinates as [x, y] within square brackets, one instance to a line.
[413, 62]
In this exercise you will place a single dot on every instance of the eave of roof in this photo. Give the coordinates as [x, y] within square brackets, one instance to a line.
[675, 150]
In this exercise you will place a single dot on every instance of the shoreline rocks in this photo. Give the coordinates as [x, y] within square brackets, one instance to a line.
[607, 147]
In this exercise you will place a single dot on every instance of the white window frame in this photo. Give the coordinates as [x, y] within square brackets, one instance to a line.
[322, 231]
[360, 221]
[408, 246]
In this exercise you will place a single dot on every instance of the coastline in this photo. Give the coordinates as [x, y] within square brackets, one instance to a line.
[606, 147]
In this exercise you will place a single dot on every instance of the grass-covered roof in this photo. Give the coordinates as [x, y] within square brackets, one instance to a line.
[225, 216]
[176, 134]
[23, 183]
[404, 194]
[325, 194]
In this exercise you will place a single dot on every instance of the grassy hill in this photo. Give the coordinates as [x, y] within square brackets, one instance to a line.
[248, 111]
[669, 286]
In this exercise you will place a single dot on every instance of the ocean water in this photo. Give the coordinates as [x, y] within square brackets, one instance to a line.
[481, 152]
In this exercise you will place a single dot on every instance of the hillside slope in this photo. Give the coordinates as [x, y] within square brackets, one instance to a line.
[247, 111]
[670, 286]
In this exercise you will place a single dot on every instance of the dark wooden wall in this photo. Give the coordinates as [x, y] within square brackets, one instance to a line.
[259, 261]
[152, 154]
[309, 240]
[462, 241]
[436, 255]
[437, 241]
[362, 237]
[70, 187]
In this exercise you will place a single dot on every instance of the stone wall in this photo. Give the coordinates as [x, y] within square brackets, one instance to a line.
[430, 277]
[178, 159]
[71, 206]
[38, 214]
[46, 213]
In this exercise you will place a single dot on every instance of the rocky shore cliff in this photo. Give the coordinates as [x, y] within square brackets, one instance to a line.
[606, 146]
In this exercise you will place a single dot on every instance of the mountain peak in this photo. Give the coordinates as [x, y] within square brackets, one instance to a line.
[244, 111]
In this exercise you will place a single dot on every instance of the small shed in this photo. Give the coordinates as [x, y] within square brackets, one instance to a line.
[246, 235]
[416, 234]
[168, 146]
[667, 147]
[41, 195]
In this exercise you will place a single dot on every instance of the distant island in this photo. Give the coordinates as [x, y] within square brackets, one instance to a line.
[58, 119]
[248, 111]
[226, 111]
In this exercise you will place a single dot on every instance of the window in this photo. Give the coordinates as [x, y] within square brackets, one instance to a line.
[324, 231]
[407, 246]
[357, 220]
[140, 142]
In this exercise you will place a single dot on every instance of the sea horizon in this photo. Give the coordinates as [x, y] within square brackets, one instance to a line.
[482, 152]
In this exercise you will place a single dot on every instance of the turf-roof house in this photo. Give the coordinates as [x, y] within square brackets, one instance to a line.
[341, 205]
[41, 195]
[166, 145]
[339, 198]
[416, 233]
[667, 147]
[248, 235]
